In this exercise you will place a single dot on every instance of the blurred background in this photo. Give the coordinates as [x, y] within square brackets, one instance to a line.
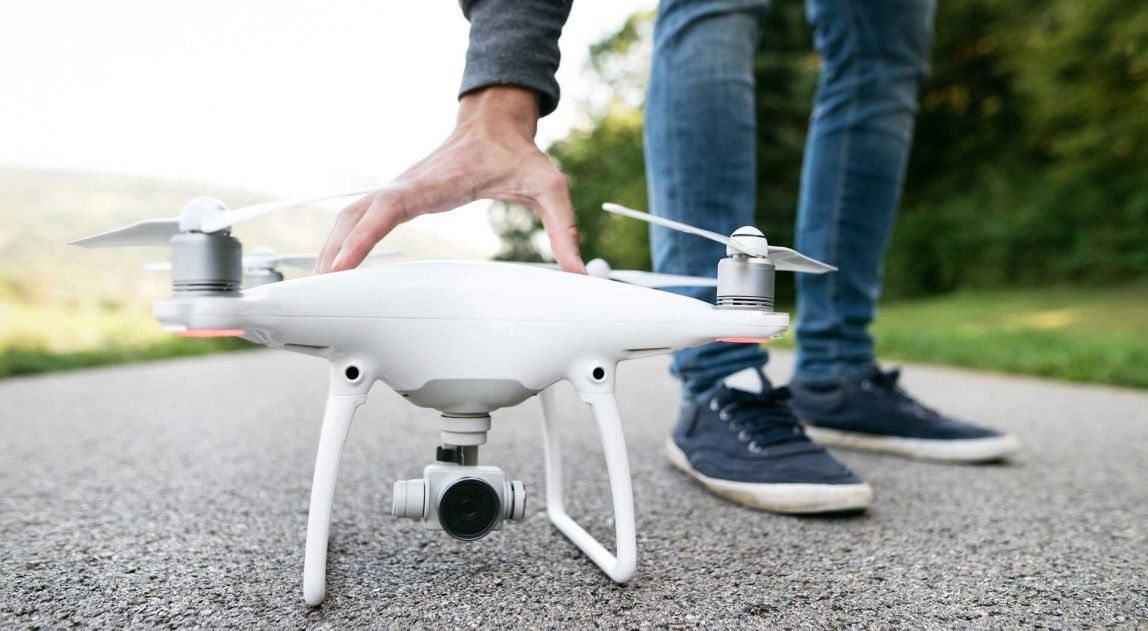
[1022, 245]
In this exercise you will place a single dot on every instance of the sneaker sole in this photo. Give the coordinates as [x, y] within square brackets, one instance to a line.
[779, 498]
[965, 450]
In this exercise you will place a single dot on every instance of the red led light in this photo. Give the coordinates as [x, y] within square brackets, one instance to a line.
[744, 340]
[211, 333]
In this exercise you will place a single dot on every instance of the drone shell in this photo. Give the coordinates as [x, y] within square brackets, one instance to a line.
[465, 337]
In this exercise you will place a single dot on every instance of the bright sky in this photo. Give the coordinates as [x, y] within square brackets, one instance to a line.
[286, 97]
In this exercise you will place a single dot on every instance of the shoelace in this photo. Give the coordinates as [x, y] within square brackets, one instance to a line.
[760, 420]
[885, 383]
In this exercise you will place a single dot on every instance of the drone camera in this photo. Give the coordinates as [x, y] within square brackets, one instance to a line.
[466, 502]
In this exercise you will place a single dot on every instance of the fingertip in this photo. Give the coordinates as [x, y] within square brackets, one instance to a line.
[571, 263]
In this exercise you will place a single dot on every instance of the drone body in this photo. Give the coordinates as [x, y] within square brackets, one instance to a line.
[465, 339]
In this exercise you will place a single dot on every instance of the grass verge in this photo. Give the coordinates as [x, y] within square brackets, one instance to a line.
[1077, 334]
[29, 360]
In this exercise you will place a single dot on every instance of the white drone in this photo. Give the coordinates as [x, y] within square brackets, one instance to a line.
[463, 338]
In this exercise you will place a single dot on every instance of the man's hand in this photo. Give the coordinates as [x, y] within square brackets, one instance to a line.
[490, 155]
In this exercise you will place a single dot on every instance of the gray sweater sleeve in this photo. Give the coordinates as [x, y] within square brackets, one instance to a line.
[515, 42]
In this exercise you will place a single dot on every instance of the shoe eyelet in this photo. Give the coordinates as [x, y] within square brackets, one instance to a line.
[714, 405]
[755, 448]
[743, 436]
[723, 415]
[867, 385]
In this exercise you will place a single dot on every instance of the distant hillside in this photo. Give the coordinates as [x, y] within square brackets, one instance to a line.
[40, 211]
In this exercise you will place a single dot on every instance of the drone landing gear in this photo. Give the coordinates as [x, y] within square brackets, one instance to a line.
[619, 567]
[349, 389]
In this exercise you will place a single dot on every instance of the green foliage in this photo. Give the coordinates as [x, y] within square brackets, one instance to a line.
[1030, 164]
[1031, 149]
[29, 360]
[595, 177]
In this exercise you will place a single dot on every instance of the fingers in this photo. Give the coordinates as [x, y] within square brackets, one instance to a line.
[470, 165]
[557, 213]
[385, 212]
[348, 218]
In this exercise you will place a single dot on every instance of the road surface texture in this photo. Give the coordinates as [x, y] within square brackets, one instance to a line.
[174, 495]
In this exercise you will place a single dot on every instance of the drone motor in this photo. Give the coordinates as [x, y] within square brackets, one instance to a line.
[206, 263]
[745, 282]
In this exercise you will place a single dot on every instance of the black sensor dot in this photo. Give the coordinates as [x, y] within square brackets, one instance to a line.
[599, 373]
[352, 373]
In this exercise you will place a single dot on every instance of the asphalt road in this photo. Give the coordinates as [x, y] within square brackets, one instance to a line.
[175, 494]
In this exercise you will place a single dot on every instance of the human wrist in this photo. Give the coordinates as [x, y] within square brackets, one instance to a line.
[501, 106]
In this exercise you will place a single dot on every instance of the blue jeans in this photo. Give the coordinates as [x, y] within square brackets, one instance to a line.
[700, 161]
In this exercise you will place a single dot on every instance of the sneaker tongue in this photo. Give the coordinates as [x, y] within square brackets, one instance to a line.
[748, 380]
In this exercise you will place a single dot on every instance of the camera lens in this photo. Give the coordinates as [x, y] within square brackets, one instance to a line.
[469, 509]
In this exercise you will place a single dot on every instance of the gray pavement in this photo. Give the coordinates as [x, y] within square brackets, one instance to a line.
[174, 495]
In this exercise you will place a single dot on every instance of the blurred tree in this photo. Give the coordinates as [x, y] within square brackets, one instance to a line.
[1031, 157]
[603, 161]
[1031, 149]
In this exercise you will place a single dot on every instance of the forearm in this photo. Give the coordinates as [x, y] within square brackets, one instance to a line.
[515, 43]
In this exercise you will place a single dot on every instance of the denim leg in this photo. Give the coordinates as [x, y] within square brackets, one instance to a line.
[874, 57]
[700, 135]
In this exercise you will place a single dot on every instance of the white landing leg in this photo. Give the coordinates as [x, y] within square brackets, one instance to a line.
[621, 567]
[336, 423]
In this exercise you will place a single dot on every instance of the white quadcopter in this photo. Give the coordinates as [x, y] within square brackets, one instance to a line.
[463, 338]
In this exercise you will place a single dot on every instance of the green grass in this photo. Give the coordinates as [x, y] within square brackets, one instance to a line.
[36, 339]
[30, 360]
[1077, 334]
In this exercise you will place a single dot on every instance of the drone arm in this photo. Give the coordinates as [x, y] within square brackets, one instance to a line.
[341, 404]
[619, 567]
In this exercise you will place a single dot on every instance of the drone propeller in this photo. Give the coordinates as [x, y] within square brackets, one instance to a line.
[748, 240]
[266, 259]
[655, 280]
[599, 268]
[146, 233]
[202, 214]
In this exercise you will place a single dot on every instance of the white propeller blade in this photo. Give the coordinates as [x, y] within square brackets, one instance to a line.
[653, 279]
[158, 232]
[270, 260]
[599, 268]
[670, 223]
[788, 260]
[784, 259]
[307, 261]
[224, 220]
[146, 233]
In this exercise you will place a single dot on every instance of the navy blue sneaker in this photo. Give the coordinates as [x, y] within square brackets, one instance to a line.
[744, 444]
[873, 413]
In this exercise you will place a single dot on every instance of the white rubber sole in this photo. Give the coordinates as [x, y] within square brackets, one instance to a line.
[969, 450]
[779, 498]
